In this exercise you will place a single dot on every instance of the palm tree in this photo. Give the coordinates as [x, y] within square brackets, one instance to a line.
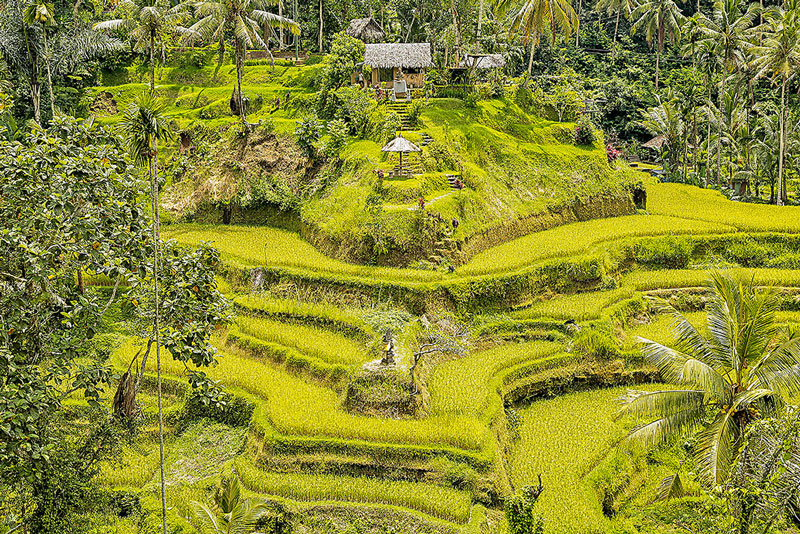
[620, 7]
[148, 22]
[661, 21]
[535, 17]
[243, 19]
[145, 125]
[778, 57]
[728, 30]
[666, 120]
[40, 11]
[741, 372]
[230, 513]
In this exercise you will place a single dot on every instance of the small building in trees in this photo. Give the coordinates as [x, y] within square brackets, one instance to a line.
[483, 61]
[367, 30]
[398, 66]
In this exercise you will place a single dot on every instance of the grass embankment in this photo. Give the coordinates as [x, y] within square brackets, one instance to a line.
[202, 95]
[292, 406]
[563, 439]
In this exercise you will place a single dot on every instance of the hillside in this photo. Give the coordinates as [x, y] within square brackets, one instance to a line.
[517, 173]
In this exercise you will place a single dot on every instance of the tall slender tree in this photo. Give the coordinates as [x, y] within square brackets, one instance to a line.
[537, 17]
[242, 19]
[778, 58]
[145, 125]
[148, 23]
[728, 30]
[620, 8]
[41, 12]
[661, 21]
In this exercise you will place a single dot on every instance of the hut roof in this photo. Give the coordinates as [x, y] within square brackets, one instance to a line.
[404, 55]
[656, 142]
[366, 29]
[489, 61]
[400, 144]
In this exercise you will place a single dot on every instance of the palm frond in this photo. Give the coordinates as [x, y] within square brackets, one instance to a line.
[716, 447]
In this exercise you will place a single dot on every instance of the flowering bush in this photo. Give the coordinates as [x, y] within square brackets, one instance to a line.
[612, 153]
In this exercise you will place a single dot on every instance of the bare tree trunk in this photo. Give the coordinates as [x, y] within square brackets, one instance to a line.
[280, 29]
[49, 77]
[156, 325]
[658, 65]
[152, 64]
[239, 72]
[577, 30]
[721, 100]
[781, 143]
[530, 59]
[36, 90]
[320, 26]
[616, 29]
[708, 134]
[480, 23]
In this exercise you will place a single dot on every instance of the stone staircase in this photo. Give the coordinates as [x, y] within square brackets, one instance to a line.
[401, 108]
[426, 140]
[454, 180]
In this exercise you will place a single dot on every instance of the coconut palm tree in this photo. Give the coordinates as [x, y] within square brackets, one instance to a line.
[148, 22]
[230, 513]
[536, 17]
[728, 30]
[666, 120]
[41, 12]
[620, 7]
[661, 21]
[742, 371]
[144, 125]
[777, 57]
[244, 20]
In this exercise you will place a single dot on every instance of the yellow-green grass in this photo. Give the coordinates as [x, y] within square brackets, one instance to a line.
[295, 407]
[563, 439]
[678, 278]
[660, 329]
[462, 386]
[260, 245]
[580, 306]
[689, 202]
[137, 465]
[311, 312]
[438, 501]
[313, 341]
[577, 238]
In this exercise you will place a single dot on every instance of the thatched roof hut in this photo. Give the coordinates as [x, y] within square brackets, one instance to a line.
[489, 61]
[656, 142]
[403, 55]
[366, 29]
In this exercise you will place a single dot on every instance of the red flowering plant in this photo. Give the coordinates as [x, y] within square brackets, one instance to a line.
[612, 153]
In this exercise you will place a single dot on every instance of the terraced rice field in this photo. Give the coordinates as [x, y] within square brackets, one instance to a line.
[297, 415]
[563, 440]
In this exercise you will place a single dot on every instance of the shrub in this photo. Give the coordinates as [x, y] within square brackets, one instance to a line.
[471, 99]
[337, 132]
[597, 344]
[415, 111]
[585, 131]
[391, 123]
[672, 252]
[747, 253]
[308, 132]
[236, 411]
[521, 517]
[354, 107]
